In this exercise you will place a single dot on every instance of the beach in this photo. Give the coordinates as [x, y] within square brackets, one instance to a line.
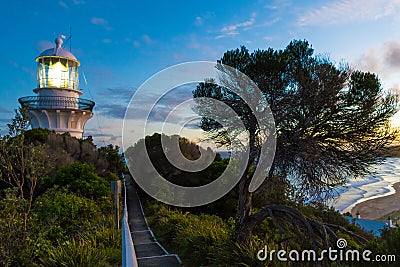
[374, 196]
[377, 208]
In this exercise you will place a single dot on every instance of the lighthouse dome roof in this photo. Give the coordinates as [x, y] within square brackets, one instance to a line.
[58, 51]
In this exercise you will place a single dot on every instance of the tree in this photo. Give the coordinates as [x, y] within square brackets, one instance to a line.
[114, 159]
[330, 122]
[13, 151]
[22, 164]
[82, 179]
[171, 173]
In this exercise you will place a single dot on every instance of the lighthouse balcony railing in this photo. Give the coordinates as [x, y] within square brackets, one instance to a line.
[55, 102]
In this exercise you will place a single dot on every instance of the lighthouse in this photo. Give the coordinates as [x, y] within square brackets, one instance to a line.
[57, 105]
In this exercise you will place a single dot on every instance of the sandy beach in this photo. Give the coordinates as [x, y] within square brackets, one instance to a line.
[374, 209]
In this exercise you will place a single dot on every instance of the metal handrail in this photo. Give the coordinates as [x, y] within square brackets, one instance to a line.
[37, 102]
[128, 250]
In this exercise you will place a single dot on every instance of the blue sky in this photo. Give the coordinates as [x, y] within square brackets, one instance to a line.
[120, 44]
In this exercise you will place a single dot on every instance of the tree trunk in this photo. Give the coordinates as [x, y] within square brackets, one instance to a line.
[243, 229]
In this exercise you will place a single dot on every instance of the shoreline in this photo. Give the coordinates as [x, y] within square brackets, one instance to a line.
[380, 183]
[390, 191]
[376, 208]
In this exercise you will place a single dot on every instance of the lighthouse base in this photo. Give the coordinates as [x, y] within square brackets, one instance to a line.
[61, 121]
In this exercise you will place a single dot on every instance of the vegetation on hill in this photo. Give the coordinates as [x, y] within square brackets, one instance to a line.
[55, 199]
[204, 236]
[332, 123]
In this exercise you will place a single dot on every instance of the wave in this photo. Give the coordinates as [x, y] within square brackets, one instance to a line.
[375, 185]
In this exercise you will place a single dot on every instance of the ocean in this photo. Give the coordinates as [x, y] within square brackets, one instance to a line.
[377, 184]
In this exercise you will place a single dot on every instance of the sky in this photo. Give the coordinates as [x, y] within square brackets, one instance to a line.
[121, 44]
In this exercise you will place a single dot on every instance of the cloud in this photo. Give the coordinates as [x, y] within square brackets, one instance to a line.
[392, 54]
[383, 57]
[383, 60]
[164, 105]
[116, 111]
[147, 39]
[194, 125]
[198, 21]
[107, 41]
[5, 120]
[5, 110]
[99, 138]
[43, 45]
[207, 51]
[144, 39]
[344, 11]
[136, 44]
[118, 93]
[109, 137]
[370, 61]
[29, 70]
[117, 100]
[278, 4]
[233, 29]
[63, 4]
[100, 22]
[78, 2]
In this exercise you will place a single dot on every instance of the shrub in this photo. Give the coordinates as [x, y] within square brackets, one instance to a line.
[12, 234]
[194, 238]
[82, 179]
[73, 253]
[64, 212]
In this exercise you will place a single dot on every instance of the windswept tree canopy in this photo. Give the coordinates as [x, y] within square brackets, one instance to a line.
[330, 120]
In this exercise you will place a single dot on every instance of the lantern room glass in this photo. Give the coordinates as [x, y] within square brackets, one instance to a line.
[57, 72]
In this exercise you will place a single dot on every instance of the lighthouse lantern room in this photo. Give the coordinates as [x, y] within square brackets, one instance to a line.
[57, 105]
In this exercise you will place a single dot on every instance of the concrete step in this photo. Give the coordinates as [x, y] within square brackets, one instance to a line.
[165, 261]
[148, 251]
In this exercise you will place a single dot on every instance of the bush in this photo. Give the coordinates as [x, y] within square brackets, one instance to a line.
[64, 213]
[12, 234]
[73, 253]
[82, 179]
[70, 225]
[194, 238]
[37, 135]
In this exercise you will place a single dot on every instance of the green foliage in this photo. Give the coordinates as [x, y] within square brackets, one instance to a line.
[61, 223]
[12, 234]
[14, 154]
[65, 213]
[55, 201]
[114, 159]
[81, 253]
[193, 238]
[388, 244]
[64, 150]
[330, 120]
[37, 135]
[190, 150]
[206, 240]
[81, 179]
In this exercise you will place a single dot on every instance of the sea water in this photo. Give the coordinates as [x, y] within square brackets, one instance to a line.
[377, 184]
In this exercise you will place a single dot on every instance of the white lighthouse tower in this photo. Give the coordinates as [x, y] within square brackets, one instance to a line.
[57, 105]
